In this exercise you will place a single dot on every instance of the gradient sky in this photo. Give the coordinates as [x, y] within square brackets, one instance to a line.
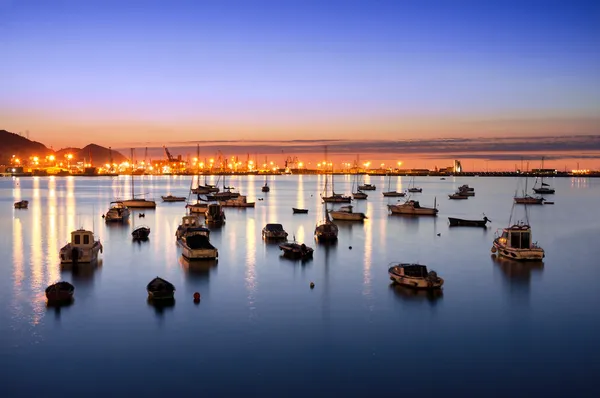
[162, 71]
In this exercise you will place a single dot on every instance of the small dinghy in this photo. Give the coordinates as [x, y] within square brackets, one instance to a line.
[459, 222]
[160, 289]
[415, 276]
[141, 233]
[23, 204]
[60, 292]
[296, 250]
[171, 198]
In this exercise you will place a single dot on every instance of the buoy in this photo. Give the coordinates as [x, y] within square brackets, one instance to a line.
[439, 234]
[102, 215]
[312, 285]
[350, 247]
[196, 296]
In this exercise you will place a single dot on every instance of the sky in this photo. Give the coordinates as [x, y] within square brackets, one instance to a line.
[140, 73]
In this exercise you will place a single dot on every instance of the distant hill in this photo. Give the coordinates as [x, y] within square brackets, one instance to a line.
[14, 144]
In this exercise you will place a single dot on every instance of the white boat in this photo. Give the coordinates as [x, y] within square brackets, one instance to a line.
[195, 244]
[117, 212]
[238, 201]
[274, 231]
[138, 203]
[515, 243]
[415, 276]
[345, 213]
[187, 222]
[413, 207]
[83, 248]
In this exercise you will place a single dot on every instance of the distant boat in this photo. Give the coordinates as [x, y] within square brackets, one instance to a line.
[457, 195]
[60, 292]
[295, 210]
[414, 208]
[296, 250]
[274, 231]
[141, 233]
[459, 222]
[117, 212]
[23, 204]
[137, 202]
[265, 188]
[345, 213]
[238, 201]
[392, 193]
[415, 276]
[412, 188]
[542, 188]
[171, 198]
[367, 187]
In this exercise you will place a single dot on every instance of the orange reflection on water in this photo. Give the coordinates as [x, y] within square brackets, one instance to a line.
[250, 276]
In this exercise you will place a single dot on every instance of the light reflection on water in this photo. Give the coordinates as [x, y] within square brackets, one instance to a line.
[258, 315]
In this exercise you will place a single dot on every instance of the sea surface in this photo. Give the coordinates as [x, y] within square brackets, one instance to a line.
[497, 328]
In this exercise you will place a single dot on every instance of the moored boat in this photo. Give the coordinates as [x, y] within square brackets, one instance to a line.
[359, 195]
[515, 243]
[214, 214]
[187, 222]
[413, 207]
[22, 204]
[367, 187]
[141, 233]
[346, 213]
[60, 292]
[296, 250]
[195, 244]
[274, 231]
[171, 198]
[529, 200]
[394, 194]
[415, 276]
[238, 201]
[296, 210]
[459, 222]
[117, 212]
[83, 248]
[160, 289]
[457, 195]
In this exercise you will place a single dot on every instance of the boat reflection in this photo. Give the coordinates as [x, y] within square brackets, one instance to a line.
[197, 269]
[161, 306]
[82, 272]
[518, 272]
[417, 295]
[57, 306]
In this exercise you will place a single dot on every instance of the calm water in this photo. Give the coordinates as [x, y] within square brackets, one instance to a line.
[497, 328]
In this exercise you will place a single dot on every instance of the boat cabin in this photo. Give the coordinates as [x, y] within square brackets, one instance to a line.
[82, 238]
[190, 222]
[518, 236]
[413, 270]
[274, 228]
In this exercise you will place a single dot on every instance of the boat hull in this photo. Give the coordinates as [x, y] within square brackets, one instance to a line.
[299, 211]
[545, 191]
[529, 201]
[408, 210]
[197, 254]
[70, 254]
[140, 203]
[294, 250]
[529, 254]
[367, 187]
[344, 216]
[394, 194]
[458, 222]
[415, 282]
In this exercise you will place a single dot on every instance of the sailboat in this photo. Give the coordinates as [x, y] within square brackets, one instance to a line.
[515, 241]
[137, 202]
[412, 188]
[390, 193]
[526, 199]
[265, 187]
[200, 206]
[326, 230]
[358, 193]
[543, 188]
[335, 197]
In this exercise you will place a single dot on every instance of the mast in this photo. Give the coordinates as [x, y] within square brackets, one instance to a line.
[132, 183]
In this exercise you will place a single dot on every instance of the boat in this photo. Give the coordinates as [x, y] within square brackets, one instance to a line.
[83, 248]
[197, 208]
[415, 276]
[117, 212]
[22, 204]
[214, 214]
[392, 193]
[171, 198]
[326, 230]
[526, 199]
[345, 213]
[274, 231]
[265, 188]
[412, 188]
[296, 250]
[187, 222]
[141, 233]
[205, 189]
[542, 188]
[458, 195]
[238, 201]
[459, 222]
[359, 195]
[466, 188]
[160, 289]
[335, 197]
[195, 244]
[367, 187]
[60, 292]
[413, 207]
[134, 202]
[296, 210]
[515, 242]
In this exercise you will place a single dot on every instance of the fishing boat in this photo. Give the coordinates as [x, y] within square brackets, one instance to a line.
[414, 208]
[515, 242]
[83, 248]
[296, 210]
[195, 244]
[367, 187]
[160, 289]
[22, 204]
[171, 198]
[412, 188]
[214, 214]
[60, 292]
[134, 202]
[296, 250]
[457, 195]
[187, 222]
[345, 213]
[459, 222]
[274, 231]
[238, 201]
[392, 193]
[265, 188]
[117, 212]
[542, 188]
[141, 233]
[415, 276]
